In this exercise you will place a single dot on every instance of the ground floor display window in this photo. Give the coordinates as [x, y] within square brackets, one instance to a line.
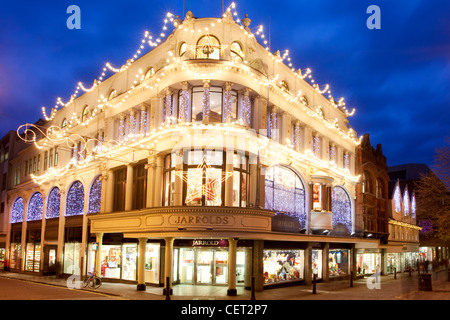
[72, 258]
[338, 262]
[317, 263]
[15, 255]
[2, 258]
[208, 266]
[152, 263]
[283, 265]
[392, 261]
[33, 258]
[367, 263]
[110, 261]
[411, 259]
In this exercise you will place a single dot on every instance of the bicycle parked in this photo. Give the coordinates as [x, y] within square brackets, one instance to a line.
[92, 280]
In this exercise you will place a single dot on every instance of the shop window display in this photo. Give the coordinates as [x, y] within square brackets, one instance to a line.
[152, 263]
[367, 263]
[72, 258]
[15, 255]
[338, 262]
[129, 262]
[317, 263]
[110, 259]
[283, 265]
[33, 257]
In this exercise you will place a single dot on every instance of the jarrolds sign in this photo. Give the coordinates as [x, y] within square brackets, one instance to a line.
[201, 220]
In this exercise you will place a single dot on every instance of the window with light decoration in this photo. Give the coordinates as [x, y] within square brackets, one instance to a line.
[17, 210]
[236, 50]
[183, 49]
[95, 196]
[341, 207]
[85, 114]
[397, 199]
[204, 174]
[285, 193]
[208, 47]
[35, 207]
[215, 103]
[75, 199]
[406, 202]
[413, 206]
[53, 204]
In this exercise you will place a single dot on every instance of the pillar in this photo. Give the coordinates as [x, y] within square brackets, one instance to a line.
[168, 264]
[129, 189]
[109, 194]
[258, 267]
[158, 182]
[141, 264]
[98, 262]
[206, 101]
[229, 182]
[43, 226]
[23, 251]
[308, 265]
[84, 235]
[150, 167]
[178, 187]
[232, 242]
[61, 229]
[325, 265]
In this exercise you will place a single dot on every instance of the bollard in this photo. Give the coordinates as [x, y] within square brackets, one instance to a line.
[351, 279]
[253, 289]
[314, 283]
[168, 288]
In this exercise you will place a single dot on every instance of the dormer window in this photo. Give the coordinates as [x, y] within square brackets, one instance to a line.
[150, 72]
[236, 50]
[208, 47]
[85, 114]
[183, 49]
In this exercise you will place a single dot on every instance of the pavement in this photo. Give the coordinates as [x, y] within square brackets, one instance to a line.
[401, 287]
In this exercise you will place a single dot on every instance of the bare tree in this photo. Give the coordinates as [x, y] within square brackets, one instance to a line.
[433, 196]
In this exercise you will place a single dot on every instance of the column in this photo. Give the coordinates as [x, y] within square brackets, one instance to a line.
[109, 194]
[274, 125]
[260, 115]
[227, 102]
[98, 261]
[43, 226]
[297, 136]
[141, 264]
[84, 235]
[167, 107]
[229, 158]
[168, 264]
[23, 251]
[178, 187]
[258, 268]
[253, 180]
[325, 265]
[307, 144]
[121, 129]
[61, 230]
[325, 146]
[129, 189]
[184, 114]
[143, 120]
[232, 267]
[206, 101]
[308, 265]
[245, 108]
[150, 167]
[158, 182]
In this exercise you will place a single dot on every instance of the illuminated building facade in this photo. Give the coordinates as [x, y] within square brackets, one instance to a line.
[208, 160]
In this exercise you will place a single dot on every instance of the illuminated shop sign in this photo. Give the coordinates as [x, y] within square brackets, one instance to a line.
[200, 220]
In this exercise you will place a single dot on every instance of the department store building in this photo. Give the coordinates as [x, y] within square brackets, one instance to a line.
[208, 160]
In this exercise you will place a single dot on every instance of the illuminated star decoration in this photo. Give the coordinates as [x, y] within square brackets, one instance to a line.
[196, 189]
[207, 46]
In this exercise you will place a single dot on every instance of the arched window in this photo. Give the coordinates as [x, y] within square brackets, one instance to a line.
[53, 204]
[341, 206]
[284, 192]
[112, 95]
[150, 72]
[208, 47]
[35, 207]
[304, 100]
[75, 199]
[379, 189]
[284, 85]
[183, 48]
[397, 199]
[17, 210]
[85, 114]
[236, 50]
[95, 196]
[406, 202]
[366, 186]
[64, 123]
[413, 205]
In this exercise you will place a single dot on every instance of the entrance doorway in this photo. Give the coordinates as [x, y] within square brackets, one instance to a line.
[202, 266]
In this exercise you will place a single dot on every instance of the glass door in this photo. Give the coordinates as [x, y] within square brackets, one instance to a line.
[220, 267]
[204, 266]
[186, 266]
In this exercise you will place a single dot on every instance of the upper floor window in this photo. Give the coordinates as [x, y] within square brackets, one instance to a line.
[95, 196]
[53, 203]
[284, 85]
[85, 114]
[35, 207]
[112, 95]
[406, 202]
[397, 199]
[75, 199]
[341, 206]
[208, 47]
[17, 210]
[379, 189]
[150, 72]
[183, 49]
[64, 123]
[236, 50]
[285, 192]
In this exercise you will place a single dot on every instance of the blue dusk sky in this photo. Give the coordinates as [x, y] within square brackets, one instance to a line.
[397, 77]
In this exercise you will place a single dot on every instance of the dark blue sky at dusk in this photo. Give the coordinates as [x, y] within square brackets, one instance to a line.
[397, 77]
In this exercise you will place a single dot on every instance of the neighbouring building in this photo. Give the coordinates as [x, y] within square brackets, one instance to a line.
[193, 163]
[372, 203]
[431, 248]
